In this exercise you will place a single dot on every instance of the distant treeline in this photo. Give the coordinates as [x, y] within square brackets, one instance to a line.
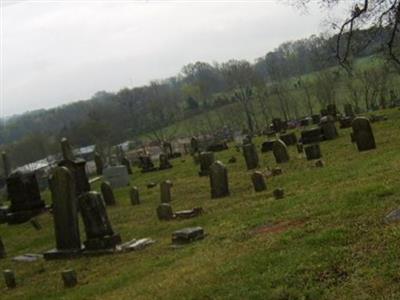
[110, 118]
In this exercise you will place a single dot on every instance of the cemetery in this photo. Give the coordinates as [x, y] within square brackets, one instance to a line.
[340, 219]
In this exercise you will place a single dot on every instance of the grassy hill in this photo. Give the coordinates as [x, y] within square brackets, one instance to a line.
[325, 240]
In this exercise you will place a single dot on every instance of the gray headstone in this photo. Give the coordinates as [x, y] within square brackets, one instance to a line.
[258, 181]
[280, 152]
[219, 180]
[99, 233]
[66, 149]
[313, 152]
[165, 191]
[134, 195]
[206, 160]
[107, 193]
[362, 134]
[164, 212]
[117, 176]
[250, 156]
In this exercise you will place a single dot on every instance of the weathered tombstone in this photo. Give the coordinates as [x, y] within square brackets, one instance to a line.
[125, 162]
[6, 164]
[165, 191]
[362, 134]
[134, 195]
[66, 150]
[69, 278]
[2, 249]
[194, 145]
[9, 278]
[219, 180]
[65, 215]
[164, 162]
[279, 193]
[267, 146]
[313, 151]
[289, 138]
[146, 164]
[187, 235]
[24, 194]
[164, 212]
[312, 135]
[99, 233]
[345, 122]
[250, 156]
[328, 128]
[206, 160]
[280, 152]
[117, 176]
[107, 193]
[99, 164]
[258, 181]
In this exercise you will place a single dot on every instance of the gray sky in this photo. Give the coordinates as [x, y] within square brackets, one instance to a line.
[55, 52]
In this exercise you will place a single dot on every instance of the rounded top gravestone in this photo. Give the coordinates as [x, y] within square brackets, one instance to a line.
[280, 152]
[362, 134]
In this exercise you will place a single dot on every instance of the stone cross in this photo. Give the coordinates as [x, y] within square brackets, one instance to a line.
[99, 164]
[206, 160]
[219, 180]
[250, 156]
[362, 134]
[99, 233]
[165, 191]
[6, 164]
[107, 193]
[280, 152]
[258, 181]
[65, 214]
[66, 150]
[134, 195]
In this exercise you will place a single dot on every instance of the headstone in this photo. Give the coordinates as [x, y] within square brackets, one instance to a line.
[345, 122]
[313, 151]
[312, 135]
[189, 213]
[167, 149]
[219, 180]
[328, 127]
[2, 249]
[99, 164]
[99, 233]
[9, 278]
[164, 212]
[187, 235]
[280, 152]
[77, 168]
[258, 181]
[65, 215]
[289, 138]
[362, 134]
[107, 193]
[134, 195]
[24, 194]
[164, 162]
[69, 278]
[250, 156]
[66, 150]
[206, 160]
[279, 193]
[117, 176]
[127, 164]
[146, 164]
[267, 146]
[165, 191]
[6, 164]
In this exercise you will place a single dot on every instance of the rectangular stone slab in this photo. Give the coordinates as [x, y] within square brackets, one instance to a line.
[187, 235]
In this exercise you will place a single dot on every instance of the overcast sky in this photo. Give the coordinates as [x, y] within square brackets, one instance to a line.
[55, 52]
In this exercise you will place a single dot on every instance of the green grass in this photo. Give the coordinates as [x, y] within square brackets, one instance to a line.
[332, 242]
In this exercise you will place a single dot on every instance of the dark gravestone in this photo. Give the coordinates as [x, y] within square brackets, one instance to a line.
[65, 215]
[134, 195]
[164, 162]
[267, 146]
[165, 191]
[187, 235]
[219, 180]
[289, 139]
[99, 164]
[77, 168]
[9, 278]
[69, 278]
[206, 160]
[6, 164]
[24, 194]
[146, 164]
[127, 164]
[2, 249]
[280, 152]
[164, 212]
[250, 156]
[99, 233]
[362, 134]
[328, 128]
[258, 181]
[107, 193]
[345, 122]
[313, 151]
[279, 193]
[167, 149]
[312, 135]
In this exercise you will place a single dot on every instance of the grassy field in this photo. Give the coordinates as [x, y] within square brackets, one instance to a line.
[325, 240]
